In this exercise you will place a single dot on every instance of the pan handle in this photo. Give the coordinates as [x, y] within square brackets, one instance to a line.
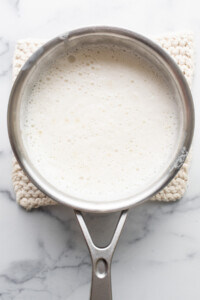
[101, 258]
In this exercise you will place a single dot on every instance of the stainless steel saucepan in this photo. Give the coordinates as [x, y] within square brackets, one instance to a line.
[101, 257]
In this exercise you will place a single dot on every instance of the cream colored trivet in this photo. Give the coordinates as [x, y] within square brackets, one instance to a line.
[179, 46]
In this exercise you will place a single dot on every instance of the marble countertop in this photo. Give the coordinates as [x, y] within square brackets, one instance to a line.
[42, 253]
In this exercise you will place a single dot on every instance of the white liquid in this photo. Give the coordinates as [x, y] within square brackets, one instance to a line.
[100, 124]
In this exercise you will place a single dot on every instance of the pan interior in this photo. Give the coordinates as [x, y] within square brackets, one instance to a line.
[99, 41]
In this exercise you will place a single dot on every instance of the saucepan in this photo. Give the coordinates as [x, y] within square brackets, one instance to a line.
[102, 257]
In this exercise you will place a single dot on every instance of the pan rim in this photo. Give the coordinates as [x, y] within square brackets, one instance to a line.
[80, 204]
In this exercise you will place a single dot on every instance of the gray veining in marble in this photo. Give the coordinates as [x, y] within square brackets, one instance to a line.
[42, 253]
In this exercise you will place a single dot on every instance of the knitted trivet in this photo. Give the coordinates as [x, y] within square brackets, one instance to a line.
[180, 47]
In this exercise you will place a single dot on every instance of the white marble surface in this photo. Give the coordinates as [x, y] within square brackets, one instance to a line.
[42, 253]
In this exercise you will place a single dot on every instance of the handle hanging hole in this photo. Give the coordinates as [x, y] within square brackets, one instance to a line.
[101, 268]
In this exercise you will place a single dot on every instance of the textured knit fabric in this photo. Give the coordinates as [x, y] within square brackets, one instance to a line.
[180, 47]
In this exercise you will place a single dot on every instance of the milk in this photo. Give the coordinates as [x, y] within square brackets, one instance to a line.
[100, 123]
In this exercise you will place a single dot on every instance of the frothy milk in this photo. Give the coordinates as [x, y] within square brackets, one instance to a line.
[100, 123]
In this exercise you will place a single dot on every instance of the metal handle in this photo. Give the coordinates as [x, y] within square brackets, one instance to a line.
[101, 259]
